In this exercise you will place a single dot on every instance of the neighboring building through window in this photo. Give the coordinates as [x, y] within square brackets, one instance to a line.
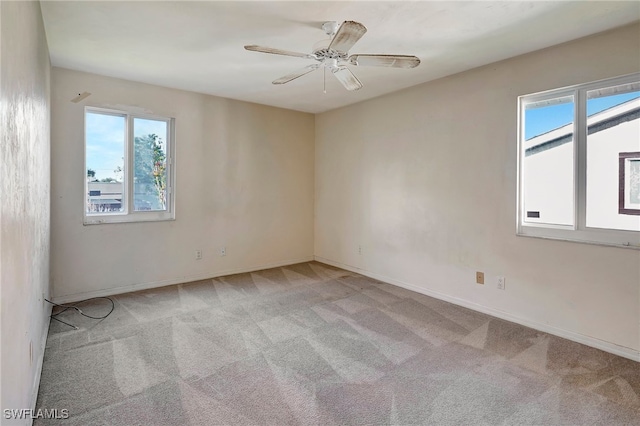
[128, 159]
[579, 163]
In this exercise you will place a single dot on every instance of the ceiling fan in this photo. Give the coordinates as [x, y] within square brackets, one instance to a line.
[333, 54]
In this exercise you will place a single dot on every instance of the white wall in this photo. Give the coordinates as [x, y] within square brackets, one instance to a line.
[244, 181]
[24, 210]
[425, 181]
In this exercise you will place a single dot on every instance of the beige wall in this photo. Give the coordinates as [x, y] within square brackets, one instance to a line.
[425, 181]
[244, 182]
[24, 210]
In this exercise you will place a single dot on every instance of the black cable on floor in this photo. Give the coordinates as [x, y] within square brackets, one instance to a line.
[76, 307]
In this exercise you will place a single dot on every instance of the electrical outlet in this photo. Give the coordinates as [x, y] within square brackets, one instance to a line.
[480, 277]
[198, 254]
[223, 251]
[500, 283]
[360, 250]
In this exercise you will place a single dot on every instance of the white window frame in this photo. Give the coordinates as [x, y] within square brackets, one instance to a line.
[129, 214]
[578, 232]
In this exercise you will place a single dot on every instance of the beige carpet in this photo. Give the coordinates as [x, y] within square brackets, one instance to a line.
[312, 344]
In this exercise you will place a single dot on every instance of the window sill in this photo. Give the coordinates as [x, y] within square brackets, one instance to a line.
[107, 220]
[606, 239]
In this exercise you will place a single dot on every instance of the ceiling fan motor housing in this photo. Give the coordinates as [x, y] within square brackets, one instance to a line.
[321, 51]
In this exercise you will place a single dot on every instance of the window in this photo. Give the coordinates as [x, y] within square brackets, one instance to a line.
[128, 159]
[579, 163]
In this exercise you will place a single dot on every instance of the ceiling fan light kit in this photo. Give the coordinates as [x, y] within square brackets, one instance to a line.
[333, 54]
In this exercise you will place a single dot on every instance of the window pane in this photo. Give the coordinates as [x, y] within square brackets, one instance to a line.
[105, 140]
[613, 136]
[547, 164]
[150, 164]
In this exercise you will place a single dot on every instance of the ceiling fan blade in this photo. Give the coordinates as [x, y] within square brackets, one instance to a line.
[348, 34]
[346, 77]
[292, 76]
[395, 61]
[273, 51]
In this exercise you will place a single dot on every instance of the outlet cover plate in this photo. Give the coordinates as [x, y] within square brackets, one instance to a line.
[501, 283]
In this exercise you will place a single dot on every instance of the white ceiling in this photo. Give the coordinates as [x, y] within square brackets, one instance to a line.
[198, 46]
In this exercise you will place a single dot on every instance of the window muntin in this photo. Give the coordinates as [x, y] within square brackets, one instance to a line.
[128, 160]
[606, 115]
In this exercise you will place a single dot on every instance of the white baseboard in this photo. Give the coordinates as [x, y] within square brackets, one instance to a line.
[566, 334]
[76, 297]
